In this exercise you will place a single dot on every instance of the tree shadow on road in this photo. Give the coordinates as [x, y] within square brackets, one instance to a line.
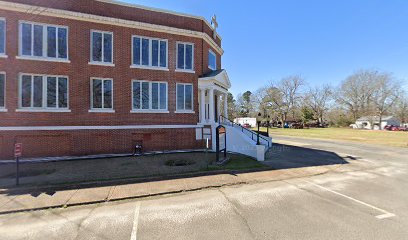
[282, 156]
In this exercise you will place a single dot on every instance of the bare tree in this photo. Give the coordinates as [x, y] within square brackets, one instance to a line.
[386, 92]
[260, 102]
[283, 97]
[290, 89]
[276, 103]
[317, 99]
[401, 109]
[356, 91]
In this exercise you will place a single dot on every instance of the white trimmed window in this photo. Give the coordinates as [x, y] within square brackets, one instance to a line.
[149, 52]
[212, 60]
[43, 41]
[2, 90]
[185, 56]
[101, 47]
[184, 97]
[149, 96]
[43, 92]
[101, 94]
[2, 36]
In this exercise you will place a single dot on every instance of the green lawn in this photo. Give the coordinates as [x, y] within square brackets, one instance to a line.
[387, 138]
[238, 162]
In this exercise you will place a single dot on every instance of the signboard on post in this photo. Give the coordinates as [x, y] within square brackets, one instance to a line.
[221, 142]
[18, 150]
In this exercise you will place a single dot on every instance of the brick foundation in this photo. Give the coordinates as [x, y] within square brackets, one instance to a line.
[92, 142]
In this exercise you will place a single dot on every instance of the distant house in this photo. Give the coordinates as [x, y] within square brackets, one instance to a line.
[246, 120]
[368, 121]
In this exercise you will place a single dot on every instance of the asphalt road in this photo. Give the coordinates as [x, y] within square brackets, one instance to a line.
[365, 197]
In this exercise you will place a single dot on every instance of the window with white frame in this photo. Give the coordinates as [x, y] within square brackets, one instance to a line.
[43, 41]
[101, 47]
[184, 97]
[212, 60]
[185, 56]
[101, 94]
[149, 52]
[2, 36]
[2, 90]
[43, 92]
[148, 95]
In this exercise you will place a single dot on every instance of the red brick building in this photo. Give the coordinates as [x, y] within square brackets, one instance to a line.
[86, 77]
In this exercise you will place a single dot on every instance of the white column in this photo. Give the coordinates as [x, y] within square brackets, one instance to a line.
[226, 105]
[202, 105]
[218, 107]
[211, 103]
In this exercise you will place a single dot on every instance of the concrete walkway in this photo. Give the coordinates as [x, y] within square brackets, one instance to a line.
[14, 201]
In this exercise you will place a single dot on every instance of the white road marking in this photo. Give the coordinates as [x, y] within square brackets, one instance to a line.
[385, 214]
[135, 222]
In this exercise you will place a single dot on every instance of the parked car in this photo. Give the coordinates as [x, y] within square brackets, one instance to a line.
[395, 128]
[388, 127]
[403, 129]
[246, 125]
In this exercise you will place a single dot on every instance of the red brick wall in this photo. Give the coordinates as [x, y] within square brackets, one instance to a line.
[37, 144]
[80, 72]
[89, 142]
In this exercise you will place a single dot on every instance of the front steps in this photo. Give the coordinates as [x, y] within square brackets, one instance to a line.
[242, 140]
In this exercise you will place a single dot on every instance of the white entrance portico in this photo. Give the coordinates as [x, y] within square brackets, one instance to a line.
[213, 90]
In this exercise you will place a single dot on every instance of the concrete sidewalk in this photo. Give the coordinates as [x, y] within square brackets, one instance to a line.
[11, 202]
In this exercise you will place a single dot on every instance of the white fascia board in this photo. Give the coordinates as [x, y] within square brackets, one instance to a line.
[216, 80]
[71, 128]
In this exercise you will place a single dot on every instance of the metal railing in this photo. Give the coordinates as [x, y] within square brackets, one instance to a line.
[246, 131]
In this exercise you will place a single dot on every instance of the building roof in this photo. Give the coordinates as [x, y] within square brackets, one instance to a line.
[217, 77]
[375, 118]
[212, 73]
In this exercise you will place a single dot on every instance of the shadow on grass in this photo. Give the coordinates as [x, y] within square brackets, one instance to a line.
[82, 174]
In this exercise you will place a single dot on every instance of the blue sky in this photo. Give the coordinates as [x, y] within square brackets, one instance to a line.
[324, 41]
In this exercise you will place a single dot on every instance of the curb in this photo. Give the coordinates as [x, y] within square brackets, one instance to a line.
[90, 184]
[176, 191]
[121, 199]
[127, 181]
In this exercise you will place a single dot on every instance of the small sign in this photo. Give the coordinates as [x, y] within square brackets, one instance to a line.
[221, 142]
[18, 150]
